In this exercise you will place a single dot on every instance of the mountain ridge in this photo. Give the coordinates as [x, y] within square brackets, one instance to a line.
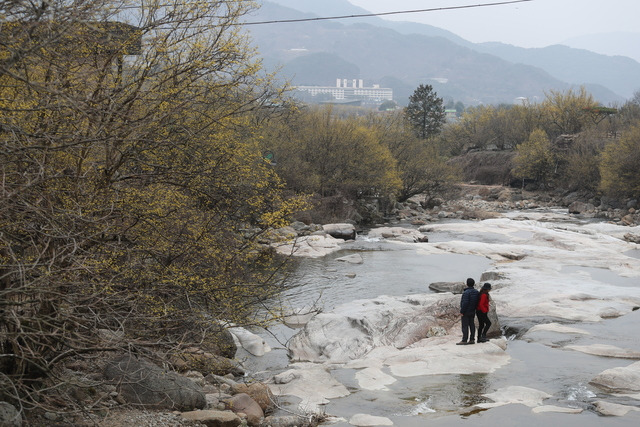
[474, 74]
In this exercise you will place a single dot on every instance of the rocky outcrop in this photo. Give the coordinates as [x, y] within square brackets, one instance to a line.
[311, 382]
[453, 287]
[259, 392]
[363, 325]
[581, 208]
[354, 329]
[142, 383]
[400, 234]
[195, 359]
[515, 394]
[469, 201]
[632, 238]
[242, 403]
[343, 231]
[313, 246]
[613, 409]
[619, 380]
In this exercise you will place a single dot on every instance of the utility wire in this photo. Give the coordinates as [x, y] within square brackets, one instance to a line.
[365, 15]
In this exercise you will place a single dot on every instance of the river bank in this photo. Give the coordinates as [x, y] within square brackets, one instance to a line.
[549, 268]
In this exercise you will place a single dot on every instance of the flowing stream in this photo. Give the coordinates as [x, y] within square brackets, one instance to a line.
[440, 400]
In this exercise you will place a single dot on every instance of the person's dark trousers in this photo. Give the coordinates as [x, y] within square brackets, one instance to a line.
[468, 326]
[483, 325]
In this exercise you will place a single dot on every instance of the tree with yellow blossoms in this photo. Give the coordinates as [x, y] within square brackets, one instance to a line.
[133, 187]
[619, 164]
[535, 159]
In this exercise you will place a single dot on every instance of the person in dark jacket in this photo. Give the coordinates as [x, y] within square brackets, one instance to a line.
[483, 313]
[468, 304]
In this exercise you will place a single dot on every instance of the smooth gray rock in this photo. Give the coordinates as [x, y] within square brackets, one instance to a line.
[243, 403]
[453, 287]
[9, 415]
[340, 231]
[143, 383]
[623, 379]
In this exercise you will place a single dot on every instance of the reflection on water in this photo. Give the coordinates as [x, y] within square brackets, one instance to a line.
[387, 269]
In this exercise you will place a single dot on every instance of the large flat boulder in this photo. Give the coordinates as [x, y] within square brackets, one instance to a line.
[515, 394]
[400, 234]
[311, 382]
[613, 409]
[606, 350]
[353, 329]
[453, 287]
[314, 246]
[142, 383]
[343, 231]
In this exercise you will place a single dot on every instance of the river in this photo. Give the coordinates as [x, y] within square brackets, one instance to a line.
[541, 361]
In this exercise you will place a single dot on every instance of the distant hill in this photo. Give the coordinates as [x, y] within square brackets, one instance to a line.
[344, 8]
[620, 43]
[319, 68]
[401, 58]
[618, 73]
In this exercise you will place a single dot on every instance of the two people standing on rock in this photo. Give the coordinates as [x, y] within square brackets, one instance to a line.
[474, 303]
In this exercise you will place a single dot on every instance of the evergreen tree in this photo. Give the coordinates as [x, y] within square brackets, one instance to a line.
[425, 112]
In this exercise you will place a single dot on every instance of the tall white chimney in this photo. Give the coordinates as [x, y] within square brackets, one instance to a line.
[354, 83]
[337, 82]
[361, 83]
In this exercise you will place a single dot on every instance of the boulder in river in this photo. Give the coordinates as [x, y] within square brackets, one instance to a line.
[343, 231]
[353, 329]
[453, 287]
[623, 379]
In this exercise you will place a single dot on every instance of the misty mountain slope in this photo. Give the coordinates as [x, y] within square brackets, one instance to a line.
[344, 8]
[319, 68]
[618, 73]
[405, 60]
[622, 43]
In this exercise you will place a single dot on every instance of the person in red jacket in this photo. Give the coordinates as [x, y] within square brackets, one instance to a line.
[482, 311]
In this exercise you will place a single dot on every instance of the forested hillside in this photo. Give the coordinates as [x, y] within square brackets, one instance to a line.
[404, 55]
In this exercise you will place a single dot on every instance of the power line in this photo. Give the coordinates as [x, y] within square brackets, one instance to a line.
[365, 15]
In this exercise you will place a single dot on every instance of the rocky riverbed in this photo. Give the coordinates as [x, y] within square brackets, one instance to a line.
[387, 338]
[554, 263]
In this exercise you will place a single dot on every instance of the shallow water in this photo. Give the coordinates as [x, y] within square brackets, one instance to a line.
[448, 400]
[387, 269]
[633, 253]
[600, 275]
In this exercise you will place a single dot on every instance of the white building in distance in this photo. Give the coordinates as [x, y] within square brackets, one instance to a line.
[346, 90]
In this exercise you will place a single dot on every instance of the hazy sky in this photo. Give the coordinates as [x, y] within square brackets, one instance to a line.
[536, 23]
